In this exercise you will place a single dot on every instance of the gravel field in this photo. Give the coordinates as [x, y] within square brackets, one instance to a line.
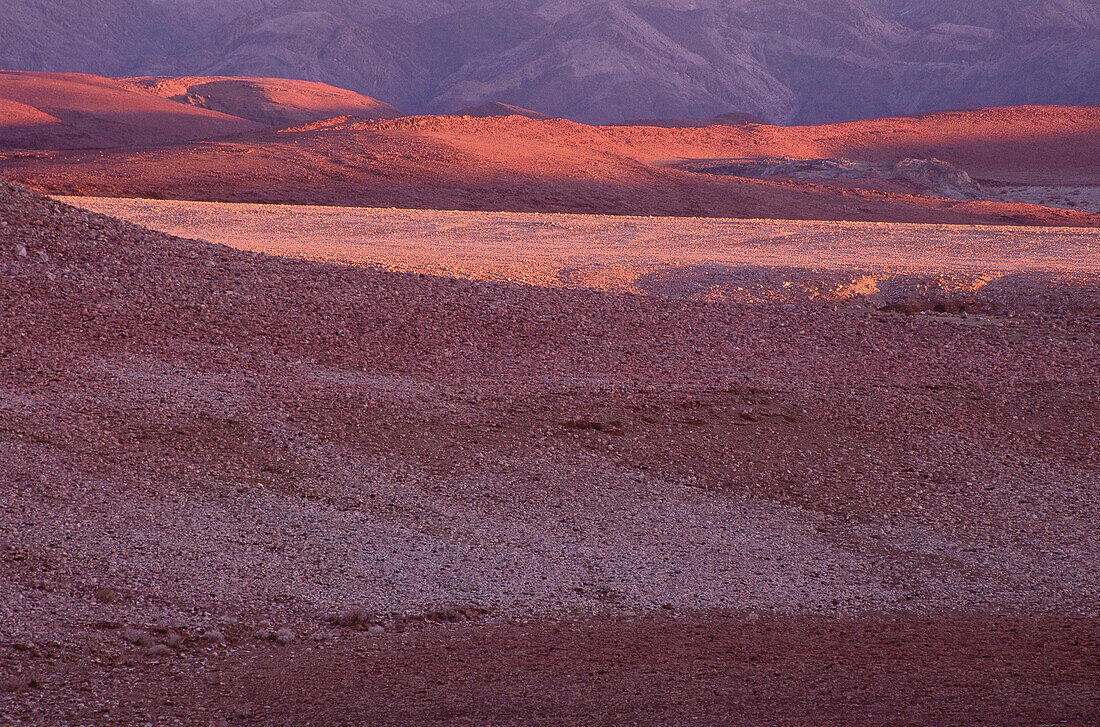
[234, 479]
[614, 253]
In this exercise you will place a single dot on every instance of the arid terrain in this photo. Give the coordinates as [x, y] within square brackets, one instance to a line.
[700, 258]
[315, 413]
[517, 163]
[79, 111]
[274, 102]
[784, 61]
[74, 111]
[544, 469]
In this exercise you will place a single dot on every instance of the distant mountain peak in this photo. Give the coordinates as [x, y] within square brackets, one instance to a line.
[785, 61]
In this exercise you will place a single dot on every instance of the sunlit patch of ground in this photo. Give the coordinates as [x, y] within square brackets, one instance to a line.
[942, 268]
[1082, 198]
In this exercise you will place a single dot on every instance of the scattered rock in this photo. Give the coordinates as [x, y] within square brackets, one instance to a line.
[613, 426]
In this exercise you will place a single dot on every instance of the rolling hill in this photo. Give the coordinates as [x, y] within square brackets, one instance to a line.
[79, 111]
[267, 101]
[522, 164]
[63, 110]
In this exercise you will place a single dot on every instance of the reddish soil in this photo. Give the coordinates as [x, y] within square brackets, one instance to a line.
[672, 668]
[696, 669]
[224, 466]
[521, 164]
[73, 110]
[269, 101]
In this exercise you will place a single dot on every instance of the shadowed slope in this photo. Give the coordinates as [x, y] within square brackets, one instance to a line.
[74, 110]
[268, 101]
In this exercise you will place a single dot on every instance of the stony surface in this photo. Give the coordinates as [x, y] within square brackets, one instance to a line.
[211, 455]
[921, 267]
[1077, 197]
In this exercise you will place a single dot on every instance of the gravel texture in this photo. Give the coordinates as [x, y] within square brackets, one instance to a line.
[210, 454]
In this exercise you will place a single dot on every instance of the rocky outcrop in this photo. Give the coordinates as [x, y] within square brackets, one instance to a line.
[938, 177]
[495, 108]
[931, 176]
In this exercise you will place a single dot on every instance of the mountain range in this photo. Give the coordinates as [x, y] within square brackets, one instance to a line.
[784, 61]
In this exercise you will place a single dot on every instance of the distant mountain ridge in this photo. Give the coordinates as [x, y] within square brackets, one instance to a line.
[785, 61]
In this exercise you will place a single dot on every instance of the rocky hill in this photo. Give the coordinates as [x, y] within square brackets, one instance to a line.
[514, 163]
[73, 111]
[82, 111]
[269, 101]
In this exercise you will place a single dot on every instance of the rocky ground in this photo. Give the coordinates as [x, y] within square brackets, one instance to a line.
[919, 267]
[1079, 197]
[249, 489]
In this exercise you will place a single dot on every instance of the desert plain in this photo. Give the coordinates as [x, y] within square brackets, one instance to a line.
[342, 452]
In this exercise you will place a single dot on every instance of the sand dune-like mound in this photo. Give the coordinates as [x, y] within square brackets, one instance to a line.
[67, 110]
[24, 127]
[269, 101]
[1020, 143]
[1029, 143]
